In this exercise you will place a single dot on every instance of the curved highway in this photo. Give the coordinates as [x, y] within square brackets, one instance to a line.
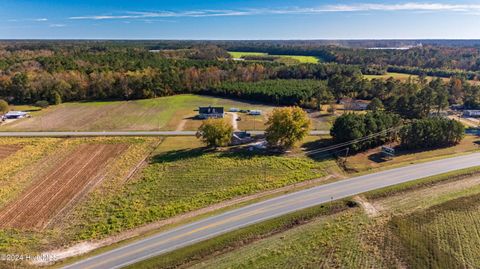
[212, 226]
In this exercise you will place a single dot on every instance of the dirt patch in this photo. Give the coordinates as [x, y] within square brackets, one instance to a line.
[58, 190]
[369, 208]
[181, 125]
[418, 199]
[234, 120]
[7, 150]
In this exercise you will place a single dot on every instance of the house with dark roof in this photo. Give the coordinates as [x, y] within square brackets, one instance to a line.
[354, 104]
[211, 112]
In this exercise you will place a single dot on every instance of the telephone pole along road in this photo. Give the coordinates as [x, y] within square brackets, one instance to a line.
[212, 226]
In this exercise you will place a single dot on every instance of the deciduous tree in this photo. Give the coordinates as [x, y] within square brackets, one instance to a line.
[215, 132]
[287, 126]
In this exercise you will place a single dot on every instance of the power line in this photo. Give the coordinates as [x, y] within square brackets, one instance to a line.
[351, 142]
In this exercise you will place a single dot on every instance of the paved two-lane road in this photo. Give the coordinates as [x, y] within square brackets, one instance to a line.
[238, 218]
[119, 133]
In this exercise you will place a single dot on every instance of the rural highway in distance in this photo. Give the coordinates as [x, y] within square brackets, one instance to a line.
[120, 133]
[212, 226]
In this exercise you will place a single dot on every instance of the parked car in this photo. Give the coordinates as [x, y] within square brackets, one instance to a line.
[255, 112]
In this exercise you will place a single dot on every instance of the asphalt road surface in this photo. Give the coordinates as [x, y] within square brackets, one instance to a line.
[207, 228]
[119, 133]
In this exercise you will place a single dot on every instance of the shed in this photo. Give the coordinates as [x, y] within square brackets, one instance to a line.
[353, 104]
[15, 115]
[471, 113]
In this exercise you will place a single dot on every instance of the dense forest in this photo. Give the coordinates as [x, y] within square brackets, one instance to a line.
[55, 71]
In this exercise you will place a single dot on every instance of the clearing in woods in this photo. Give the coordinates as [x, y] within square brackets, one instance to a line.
[7, 150]
[64, 184]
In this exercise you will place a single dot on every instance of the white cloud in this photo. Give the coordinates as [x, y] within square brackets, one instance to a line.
[57, 25]
[41, 19]
[361, 7]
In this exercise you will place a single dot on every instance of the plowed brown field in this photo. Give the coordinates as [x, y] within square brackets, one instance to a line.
[7, 150]
[48, 196]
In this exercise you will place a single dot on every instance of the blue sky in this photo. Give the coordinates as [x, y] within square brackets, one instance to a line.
[237, 19]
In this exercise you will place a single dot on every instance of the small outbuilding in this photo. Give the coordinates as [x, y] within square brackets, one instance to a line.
[15, 115]
[239, 138]
[471, 113]
[211, 112]
[353, 104]
[255, 112]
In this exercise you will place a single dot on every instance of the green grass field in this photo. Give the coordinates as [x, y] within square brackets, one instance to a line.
[399, 76]
[300, 59]
[182, 177]
[444, 236]
[404, 77]
[164, 113]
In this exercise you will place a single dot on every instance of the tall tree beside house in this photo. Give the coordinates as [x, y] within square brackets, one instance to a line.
[215, 133]
[287, 126]
[375, 105]
[3, 106]
[323, 95]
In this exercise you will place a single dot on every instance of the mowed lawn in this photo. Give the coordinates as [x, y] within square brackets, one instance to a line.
[165, 113]
[299, 58]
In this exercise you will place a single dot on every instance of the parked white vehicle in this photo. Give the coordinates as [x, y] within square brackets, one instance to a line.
[255, 112]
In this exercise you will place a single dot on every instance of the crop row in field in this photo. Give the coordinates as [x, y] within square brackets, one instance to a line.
[444, 236]
[49, 179]
[7, 150]
[47, 196]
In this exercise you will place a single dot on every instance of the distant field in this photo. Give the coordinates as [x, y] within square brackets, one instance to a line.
[300, 59]
[404, 77]
[165, 113]
[399, 76]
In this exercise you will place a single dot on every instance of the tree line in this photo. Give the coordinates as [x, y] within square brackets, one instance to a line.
[374, 129]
